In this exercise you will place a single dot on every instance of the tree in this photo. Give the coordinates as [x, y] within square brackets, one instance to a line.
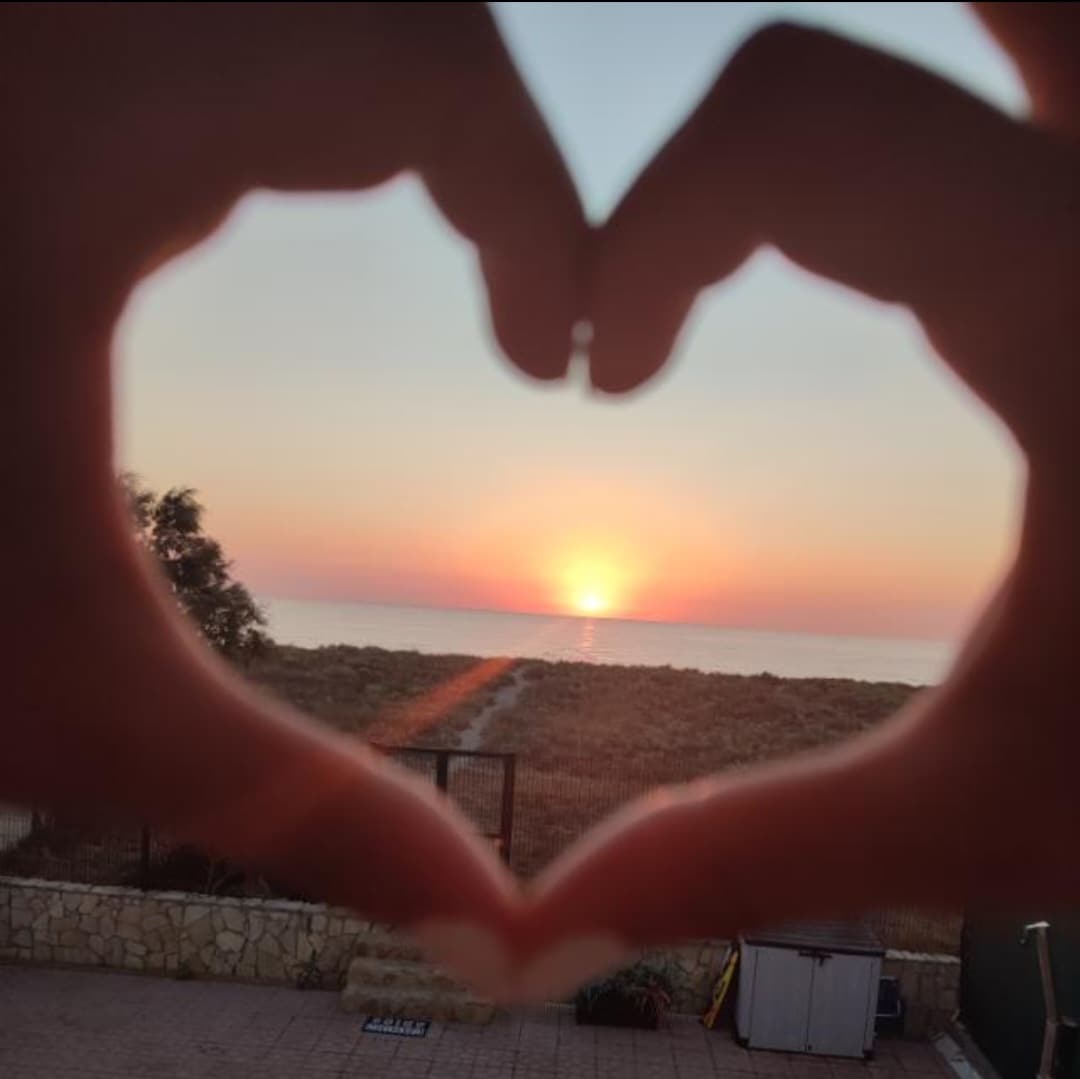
[170, 528]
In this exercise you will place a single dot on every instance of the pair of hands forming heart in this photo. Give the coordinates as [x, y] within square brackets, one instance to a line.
[131, 130]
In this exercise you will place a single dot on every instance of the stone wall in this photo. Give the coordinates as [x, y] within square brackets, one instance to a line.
[280, 941]
[930, 987]
[271, 940]
[176, 933]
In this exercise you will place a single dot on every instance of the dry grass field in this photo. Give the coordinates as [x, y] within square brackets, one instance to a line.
[671, 724]
[586, 739]
[392, 698]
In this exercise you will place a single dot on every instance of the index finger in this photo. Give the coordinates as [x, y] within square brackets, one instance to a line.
[875, 174]
[139, 126]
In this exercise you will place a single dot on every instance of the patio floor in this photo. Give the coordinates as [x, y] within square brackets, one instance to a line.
[56, 1024]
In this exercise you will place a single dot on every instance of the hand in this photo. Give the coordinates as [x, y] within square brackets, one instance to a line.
[882, 177]
[130, 132]
[110, 177]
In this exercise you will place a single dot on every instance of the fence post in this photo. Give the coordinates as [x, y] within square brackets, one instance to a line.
[144, 859]
[509, 778]
[442, 770]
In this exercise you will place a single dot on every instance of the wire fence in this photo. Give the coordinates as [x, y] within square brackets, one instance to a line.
[482, 784]
[531, 814]
[554, 807]
[36, 843]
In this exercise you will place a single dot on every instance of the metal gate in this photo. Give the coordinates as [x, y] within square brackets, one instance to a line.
[481, 784]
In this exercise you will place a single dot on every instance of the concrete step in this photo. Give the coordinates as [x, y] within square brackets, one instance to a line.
[389, 977]
[382, 943]
[456, 1006]
[403, 974]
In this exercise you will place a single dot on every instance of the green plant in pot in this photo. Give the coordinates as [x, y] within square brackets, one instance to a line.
[634, 997]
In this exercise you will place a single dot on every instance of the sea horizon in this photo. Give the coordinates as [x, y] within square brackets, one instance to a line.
[606, 639]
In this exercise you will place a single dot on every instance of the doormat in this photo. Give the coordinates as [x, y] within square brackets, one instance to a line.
[401, 1028]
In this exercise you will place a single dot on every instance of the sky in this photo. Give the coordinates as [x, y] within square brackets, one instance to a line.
[321, 371]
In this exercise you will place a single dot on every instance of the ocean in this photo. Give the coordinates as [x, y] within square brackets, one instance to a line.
[608, 640]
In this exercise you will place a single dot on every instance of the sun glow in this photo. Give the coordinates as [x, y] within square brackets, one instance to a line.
[592, 581]
[591, 603]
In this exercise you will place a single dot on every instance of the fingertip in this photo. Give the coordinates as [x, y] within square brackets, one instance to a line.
[472, 951]
[622, 376]
[633, 340]
[543, 357]
[555, 972]
[532, 319]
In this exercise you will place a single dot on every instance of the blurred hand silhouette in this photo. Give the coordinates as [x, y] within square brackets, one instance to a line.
[874, 173]
[131, 131]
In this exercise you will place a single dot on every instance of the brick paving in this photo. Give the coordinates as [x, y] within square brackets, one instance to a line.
[73, 1024]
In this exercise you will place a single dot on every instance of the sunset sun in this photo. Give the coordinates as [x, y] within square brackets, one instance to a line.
[592, 576]
[591, 602]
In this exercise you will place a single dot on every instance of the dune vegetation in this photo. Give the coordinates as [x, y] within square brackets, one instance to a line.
[586, 737]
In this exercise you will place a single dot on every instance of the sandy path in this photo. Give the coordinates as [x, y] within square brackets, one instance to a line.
[471, 739]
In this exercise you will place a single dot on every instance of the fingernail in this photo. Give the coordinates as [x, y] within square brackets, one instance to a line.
[558, 972]
[468, 951]
[609, 381]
